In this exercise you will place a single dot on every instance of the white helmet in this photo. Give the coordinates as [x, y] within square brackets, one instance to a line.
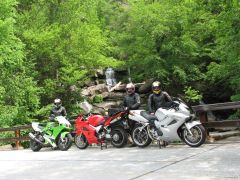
[58, 102]
[130, 88]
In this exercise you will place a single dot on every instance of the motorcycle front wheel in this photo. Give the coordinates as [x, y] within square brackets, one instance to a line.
[140, 136]
[197, 138]
[35, 146]
[119, 137]
[81, 141]
[65, 143]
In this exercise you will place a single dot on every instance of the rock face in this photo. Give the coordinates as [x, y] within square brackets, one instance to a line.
[93, 90]
[111, 96]
[146, 87]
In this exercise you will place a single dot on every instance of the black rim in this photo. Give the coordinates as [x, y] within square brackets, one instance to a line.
[35, 144]
[140, 137]
[64, 142]
[118, 137]
[80, 141]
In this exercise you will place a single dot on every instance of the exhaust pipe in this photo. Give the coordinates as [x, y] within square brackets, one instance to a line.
[34, 138]
[108, 137]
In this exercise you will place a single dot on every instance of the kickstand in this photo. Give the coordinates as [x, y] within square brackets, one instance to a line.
[159, 144]
[106, 144]
[165, 143]
[101, 146]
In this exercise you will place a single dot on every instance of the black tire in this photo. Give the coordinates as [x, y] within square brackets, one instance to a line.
[141, 138]
[65, 143]
[35, 146]
[119, 137]
[197, 130]
[81, 141]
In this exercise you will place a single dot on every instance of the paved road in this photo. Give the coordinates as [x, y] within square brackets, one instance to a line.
[220, 160]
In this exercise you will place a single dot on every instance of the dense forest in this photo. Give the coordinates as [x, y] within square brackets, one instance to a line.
[49, 46]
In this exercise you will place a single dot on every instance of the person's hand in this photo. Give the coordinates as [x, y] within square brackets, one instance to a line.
[175, 106]
[127, 108]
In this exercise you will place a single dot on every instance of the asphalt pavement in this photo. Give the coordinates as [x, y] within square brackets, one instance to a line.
[218, 160]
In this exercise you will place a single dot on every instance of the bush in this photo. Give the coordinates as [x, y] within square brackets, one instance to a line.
[192, 95]
[98, 99]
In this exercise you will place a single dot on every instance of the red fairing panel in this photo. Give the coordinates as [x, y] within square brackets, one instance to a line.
[95, 120]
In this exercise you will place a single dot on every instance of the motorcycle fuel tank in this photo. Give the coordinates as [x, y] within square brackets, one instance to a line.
[96, 120]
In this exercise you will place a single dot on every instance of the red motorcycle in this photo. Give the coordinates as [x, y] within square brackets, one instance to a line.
[98, 129]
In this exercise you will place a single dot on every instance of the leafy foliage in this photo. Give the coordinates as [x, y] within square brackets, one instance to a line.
[48, 49]
[192, 95]
[19, 92]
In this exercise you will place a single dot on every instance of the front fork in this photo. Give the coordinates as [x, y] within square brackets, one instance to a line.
[144, 125]
[188, 127]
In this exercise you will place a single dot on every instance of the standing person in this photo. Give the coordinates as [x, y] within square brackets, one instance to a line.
[132, 100]
[58, 109]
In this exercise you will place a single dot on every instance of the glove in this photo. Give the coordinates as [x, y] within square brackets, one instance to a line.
[127, 108]
[175, 105]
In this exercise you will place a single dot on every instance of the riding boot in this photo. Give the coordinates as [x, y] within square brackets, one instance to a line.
[159, 132]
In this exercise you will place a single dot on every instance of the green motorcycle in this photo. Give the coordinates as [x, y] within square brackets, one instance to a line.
[55, 134]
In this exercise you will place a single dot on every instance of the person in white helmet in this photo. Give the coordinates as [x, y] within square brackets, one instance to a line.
[58, 109]
[132, 100]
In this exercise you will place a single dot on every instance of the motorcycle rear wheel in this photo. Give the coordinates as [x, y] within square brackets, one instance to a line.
[198, 137]
[65, 143]
[35, 146]
[119, 137]
[81, 141]
[141, 137]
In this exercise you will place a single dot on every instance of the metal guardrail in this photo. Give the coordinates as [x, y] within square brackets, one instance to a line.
[18, 138]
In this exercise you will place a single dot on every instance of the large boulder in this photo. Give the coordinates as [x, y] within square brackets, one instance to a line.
[93, 90]
[122, 87]
[112, 95]
[146, 87]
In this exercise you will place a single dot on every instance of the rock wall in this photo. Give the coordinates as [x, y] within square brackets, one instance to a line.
[113, 96]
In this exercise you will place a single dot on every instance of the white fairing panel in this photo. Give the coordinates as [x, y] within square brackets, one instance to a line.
[98, 128]
[35, 126]
[169, 120]
[62, 120]
[183, 108]
[135, 116]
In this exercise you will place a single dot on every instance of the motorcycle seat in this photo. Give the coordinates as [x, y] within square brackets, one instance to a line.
[148, 116]
[113, 111]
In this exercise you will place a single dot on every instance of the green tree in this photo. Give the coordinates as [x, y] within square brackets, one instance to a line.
[19, 93]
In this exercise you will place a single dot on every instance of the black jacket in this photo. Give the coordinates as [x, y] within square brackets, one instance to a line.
[132, 101]
[61, 111]
[156, 101]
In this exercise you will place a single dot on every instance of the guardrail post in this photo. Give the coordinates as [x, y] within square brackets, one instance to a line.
[203, 117]
[17, 135]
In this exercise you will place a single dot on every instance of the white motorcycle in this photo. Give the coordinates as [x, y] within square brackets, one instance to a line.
[175, 123]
